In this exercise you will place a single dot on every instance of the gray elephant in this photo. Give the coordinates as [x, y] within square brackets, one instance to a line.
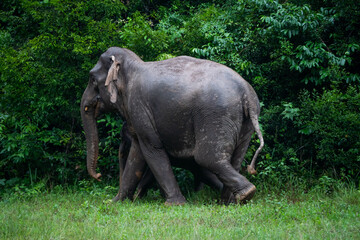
[182, 108]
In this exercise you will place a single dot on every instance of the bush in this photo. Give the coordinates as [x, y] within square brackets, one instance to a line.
[330, 126]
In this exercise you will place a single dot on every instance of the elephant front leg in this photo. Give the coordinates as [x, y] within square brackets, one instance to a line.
[132, 173]
[159, 164]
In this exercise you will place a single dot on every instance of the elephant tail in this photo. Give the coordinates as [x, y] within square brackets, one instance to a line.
[255, 121]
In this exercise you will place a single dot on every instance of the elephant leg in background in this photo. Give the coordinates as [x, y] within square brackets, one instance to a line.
[123, 155]
[132, 173]
[207, 177]
[124, 150]
[238, 157]
[198, 185]
[146, 182]
[201, 175]
[219, 154]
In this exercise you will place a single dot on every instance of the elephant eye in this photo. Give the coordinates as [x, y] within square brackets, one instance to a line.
[93, 80]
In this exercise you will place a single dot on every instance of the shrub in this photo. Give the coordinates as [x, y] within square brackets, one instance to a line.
[330, 125]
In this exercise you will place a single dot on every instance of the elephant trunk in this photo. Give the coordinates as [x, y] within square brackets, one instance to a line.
[92, 139]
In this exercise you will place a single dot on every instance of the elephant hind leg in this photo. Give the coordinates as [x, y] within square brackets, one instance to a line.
[210, 179]
[236, 183]
[244, 139]
[145, 183]
[217, 156]
[237, 158]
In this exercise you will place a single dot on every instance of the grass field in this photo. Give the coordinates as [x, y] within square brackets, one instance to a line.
[90, 214]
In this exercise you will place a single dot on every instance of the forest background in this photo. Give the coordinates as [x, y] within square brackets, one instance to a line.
[302, 57]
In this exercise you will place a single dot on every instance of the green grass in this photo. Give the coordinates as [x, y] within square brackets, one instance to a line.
[88, 214]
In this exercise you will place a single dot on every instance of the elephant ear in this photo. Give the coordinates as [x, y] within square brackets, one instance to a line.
[113, 92]
[112, 76]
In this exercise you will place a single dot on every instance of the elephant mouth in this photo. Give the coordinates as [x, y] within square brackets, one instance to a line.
[92, 104]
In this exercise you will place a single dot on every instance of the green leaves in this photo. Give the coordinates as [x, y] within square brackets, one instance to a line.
[319, 63]
[331, 122]
[290, 112]
[138, 34]
[43, 77]
[291, 20]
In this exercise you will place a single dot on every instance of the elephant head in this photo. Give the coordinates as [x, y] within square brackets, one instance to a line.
[102, 95]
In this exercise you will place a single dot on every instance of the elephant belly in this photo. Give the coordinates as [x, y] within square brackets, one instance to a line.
[185, 153]
[178, 141]
[182, 147]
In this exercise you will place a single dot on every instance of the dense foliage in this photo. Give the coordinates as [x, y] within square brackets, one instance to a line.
[302, 57]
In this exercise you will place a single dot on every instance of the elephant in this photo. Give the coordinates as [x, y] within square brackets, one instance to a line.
[181, 108]
[200, 174]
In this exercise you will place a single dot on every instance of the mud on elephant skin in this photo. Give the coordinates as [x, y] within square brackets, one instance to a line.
[178, 108]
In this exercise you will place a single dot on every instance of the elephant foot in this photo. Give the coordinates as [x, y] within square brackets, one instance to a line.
[121, 197]
[227, 197]
[245, 195]
[116, 198]
[177, 201]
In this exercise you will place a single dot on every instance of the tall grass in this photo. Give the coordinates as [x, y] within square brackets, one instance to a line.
[87, 213]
